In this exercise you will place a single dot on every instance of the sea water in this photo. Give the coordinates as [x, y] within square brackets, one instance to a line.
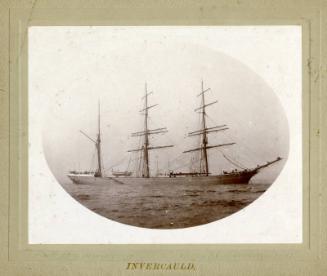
[165, 206]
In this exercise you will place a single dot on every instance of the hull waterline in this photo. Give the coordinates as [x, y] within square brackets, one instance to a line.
[233, 178]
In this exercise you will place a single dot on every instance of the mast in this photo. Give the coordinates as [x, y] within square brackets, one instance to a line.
[98, 145]
[204, 134]
[146, 133]
[204, 131]
[146, 171]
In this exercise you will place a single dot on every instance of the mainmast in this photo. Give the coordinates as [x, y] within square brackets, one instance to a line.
[204, 163]
[146, 133]
[204, 135]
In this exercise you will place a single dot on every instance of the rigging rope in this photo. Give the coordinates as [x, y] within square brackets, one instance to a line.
[140, 157]
[92, 160]
[250, 152]
[233, 162]
[129, 162]
[187, 163]
[120, 161]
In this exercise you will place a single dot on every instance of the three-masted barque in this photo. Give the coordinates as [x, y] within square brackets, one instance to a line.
[202, 174]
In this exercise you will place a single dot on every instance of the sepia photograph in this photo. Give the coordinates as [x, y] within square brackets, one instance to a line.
[163, 137]
[148, 128]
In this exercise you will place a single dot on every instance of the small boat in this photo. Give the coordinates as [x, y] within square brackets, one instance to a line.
[121, 173]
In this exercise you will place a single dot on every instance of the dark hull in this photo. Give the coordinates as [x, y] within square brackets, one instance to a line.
[231, 178]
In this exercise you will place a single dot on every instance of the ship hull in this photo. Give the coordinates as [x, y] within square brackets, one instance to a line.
[232, 178]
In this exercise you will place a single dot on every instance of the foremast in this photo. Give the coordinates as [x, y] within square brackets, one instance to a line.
[146, 133]
[98, 146]
[204, 131]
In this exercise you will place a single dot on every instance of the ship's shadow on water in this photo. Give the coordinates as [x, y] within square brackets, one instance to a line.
[154, 205]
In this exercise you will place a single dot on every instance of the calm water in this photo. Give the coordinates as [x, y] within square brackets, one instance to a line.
[165, 206]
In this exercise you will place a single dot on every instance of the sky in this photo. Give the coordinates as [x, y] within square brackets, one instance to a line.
[71, 69]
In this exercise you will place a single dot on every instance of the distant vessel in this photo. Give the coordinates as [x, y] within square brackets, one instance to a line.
[142, 174]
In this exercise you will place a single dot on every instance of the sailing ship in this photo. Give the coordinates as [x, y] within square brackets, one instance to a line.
[202, 174]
